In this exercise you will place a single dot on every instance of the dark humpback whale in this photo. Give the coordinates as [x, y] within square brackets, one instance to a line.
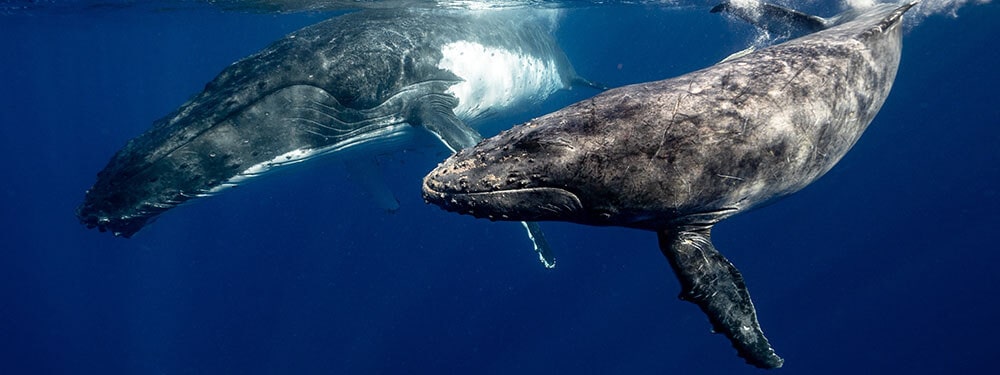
[679, 155]
[361, 79]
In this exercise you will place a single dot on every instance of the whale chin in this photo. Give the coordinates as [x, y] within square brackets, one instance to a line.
[119, 227]
[521, 204]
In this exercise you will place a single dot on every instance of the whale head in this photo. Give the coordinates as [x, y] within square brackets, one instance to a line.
[551, 169]
[281, 106]
[186, 155]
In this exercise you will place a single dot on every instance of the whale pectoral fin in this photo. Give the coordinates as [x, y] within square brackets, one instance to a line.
[580, 81]
[366, 173]
[541, 245]
[710, 281]
[435, 113]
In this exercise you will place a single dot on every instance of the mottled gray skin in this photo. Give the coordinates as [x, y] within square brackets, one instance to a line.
[679, 155]
[322, 86]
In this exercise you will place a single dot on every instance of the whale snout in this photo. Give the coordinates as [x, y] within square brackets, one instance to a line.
[467, 185]
[122, 211]
[517, 175]
[120, 226]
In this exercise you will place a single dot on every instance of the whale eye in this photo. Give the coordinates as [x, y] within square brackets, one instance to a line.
[558, 142]
[538, 144]
[531, 145]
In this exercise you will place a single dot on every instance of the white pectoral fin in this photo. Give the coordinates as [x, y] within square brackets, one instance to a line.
[436, 114]
[366, 173]
[541, 245]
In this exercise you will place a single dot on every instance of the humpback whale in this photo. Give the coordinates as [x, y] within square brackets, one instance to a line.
[679, 155]
[356, 81]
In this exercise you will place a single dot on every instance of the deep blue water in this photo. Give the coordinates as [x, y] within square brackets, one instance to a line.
[888, 264]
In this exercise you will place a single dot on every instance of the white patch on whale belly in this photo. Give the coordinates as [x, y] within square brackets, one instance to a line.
[496, 79]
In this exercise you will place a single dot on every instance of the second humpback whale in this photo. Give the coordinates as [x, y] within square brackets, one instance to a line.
[679, 155]
[365, 78]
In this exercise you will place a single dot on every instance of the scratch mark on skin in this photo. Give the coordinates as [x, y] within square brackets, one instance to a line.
[742, 93]
[670, 125]
[745, 89]
[796, 75]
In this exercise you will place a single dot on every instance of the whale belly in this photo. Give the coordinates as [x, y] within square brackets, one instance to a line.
[496, 79]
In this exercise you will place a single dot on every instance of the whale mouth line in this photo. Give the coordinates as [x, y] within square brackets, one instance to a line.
[517, 204]
[500, 192]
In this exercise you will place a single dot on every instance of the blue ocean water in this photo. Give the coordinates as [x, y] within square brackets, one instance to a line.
[885, 265]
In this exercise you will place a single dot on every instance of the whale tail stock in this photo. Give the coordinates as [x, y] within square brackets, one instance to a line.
[774, 19]
[710, 281]
[790, 23]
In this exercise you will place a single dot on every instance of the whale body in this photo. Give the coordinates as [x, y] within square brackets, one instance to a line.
[363, 80]
[679, 155]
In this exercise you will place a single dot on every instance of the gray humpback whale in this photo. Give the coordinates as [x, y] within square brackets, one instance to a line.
[355, 81]
[679, 155]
